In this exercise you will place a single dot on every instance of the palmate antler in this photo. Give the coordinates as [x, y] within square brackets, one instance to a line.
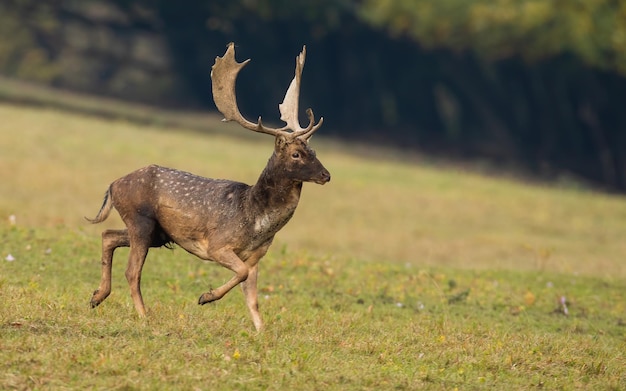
[223, 77]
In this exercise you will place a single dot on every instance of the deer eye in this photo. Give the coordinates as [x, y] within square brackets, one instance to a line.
[295, 155]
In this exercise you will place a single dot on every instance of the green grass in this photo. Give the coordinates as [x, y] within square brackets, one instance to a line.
[395, 275]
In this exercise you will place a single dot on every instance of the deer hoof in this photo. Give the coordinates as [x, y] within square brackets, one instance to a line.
[207, 298]
[97, 298]
[94, 302]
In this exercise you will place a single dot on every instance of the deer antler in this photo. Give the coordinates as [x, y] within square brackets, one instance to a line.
[289, 107]
[224, 75]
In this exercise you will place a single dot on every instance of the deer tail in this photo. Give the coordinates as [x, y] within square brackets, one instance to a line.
[105, 209]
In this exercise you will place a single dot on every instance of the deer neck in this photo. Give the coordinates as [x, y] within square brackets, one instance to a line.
[274, 193]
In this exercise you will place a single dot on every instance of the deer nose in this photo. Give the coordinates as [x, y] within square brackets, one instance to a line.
[324, 177]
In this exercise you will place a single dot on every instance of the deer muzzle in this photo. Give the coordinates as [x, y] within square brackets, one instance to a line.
[323, 177]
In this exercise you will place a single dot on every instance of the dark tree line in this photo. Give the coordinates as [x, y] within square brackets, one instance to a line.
[532, 83]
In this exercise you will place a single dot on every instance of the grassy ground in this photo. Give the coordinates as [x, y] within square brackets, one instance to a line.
[393, 276]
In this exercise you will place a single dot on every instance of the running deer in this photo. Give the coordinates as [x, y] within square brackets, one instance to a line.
[224, 221]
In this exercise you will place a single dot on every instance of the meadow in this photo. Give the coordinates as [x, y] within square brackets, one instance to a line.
[401, 273]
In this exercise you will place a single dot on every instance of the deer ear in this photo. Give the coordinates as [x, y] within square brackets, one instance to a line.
[280, 142]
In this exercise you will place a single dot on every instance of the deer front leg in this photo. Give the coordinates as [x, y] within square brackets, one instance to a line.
[249, 288]
[229, 260]
[111, 239]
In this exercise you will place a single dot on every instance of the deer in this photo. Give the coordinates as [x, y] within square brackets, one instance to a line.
[223, 221]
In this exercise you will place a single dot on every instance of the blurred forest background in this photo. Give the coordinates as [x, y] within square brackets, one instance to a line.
[538, 84]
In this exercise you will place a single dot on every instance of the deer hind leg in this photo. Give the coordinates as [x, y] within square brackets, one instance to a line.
[111, 239]
[141, 233]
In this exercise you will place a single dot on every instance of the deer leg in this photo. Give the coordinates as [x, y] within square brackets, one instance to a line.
[249, 287]
[229, 260]
[141, 233]
[111, 239]
[136, 260]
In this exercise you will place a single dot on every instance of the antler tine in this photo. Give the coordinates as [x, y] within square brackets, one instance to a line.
[289, 107]
[223, 77]
[311, 128]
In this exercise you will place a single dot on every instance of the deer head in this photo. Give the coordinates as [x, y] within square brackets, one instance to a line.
[291, 146]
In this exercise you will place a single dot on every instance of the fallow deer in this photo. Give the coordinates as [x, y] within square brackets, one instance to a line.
[224, 221]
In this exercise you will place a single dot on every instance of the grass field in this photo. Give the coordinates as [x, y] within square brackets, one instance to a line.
[395, 275]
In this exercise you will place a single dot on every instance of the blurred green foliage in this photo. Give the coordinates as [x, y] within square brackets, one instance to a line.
[592, 30]
[23, 49]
